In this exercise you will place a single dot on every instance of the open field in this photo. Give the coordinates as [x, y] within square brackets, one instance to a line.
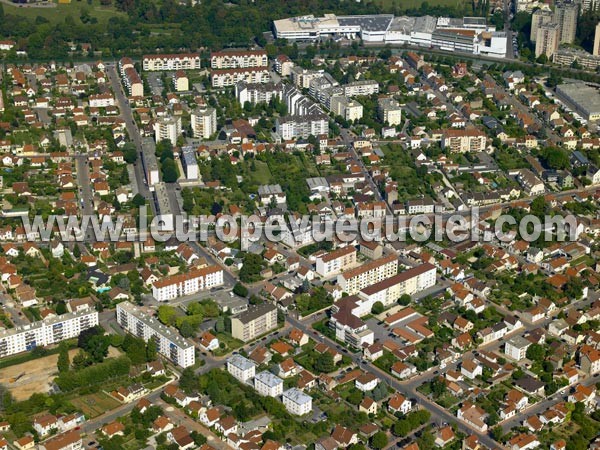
[59, 12]
[35, 375]
[94, 405]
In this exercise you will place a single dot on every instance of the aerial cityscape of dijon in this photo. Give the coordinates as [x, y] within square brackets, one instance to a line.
[299, 224]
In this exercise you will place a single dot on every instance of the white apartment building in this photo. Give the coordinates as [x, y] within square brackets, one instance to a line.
[390, 112]
[516, 348]
[348, 326]
[467, 140]
[283, 65]
[204, 122]
[408, 282]
[297, 402]
[354, 280]
[167, 128]
[169, 342]
[195, 280]
[291, 127]
[232, 59]
[336, 261]
[229, 77]
[362, 87]
[190, 163]
[179, 61]
[349, 109]
[268, 384]
[101, 100]
[254, 322]
[254, 93]
[45, 332]
[241, 368]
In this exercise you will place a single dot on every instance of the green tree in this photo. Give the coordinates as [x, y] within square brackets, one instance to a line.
[404, 300]
[63, 362]
[324, 363]
[379, 440]
[377, 308]
[535, 352]
[240, 289]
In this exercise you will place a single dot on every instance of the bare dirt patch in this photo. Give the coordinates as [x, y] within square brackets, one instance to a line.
[35, 376]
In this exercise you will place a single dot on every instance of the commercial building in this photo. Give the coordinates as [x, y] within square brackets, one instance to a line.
[229, 77]
[254, 322]
[349, 109]
[538, 18]
[46, 332]
[408, 282]
[254, 93]
[241, 368]
[188, 283]
[238, 59]
[583, 98]
[179, 61]
[167, 128]
[470, 34]
[190, 163]
[389, 111]
[547, 40]
[291, 127]
[354, 280]
[336, 261]
[461, 141]
[169, 342]
[297, 402]
[268, 384]
[204, 122]
[566, 15]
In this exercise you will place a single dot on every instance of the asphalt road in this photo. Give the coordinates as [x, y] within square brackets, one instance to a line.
[132, 130]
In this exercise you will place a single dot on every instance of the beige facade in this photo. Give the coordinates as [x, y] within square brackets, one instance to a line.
[254, 322]
[548, 38]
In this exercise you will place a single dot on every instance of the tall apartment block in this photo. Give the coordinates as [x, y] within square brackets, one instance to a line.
[566, 18]
[548, 38]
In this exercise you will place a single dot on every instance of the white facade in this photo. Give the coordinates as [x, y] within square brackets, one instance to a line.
[297, 402]
[241, 368]
[516, 348]
[188, 283]
[336, 261]
[167, 128]
[390, 112]
[101, 100]
[391, 289]
[229, 77]
[46, 332]
[204, 122]
[181, 61]
[169, 343]
[268, 384]
[355, 280]
[291, 127]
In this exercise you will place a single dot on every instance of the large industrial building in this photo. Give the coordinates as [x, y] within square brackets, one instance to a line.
[168, 342]
[470, 34]
[585, 99]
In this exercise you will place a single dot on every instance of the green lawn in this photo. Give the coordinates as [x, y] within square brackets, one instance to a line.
[58, 13]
